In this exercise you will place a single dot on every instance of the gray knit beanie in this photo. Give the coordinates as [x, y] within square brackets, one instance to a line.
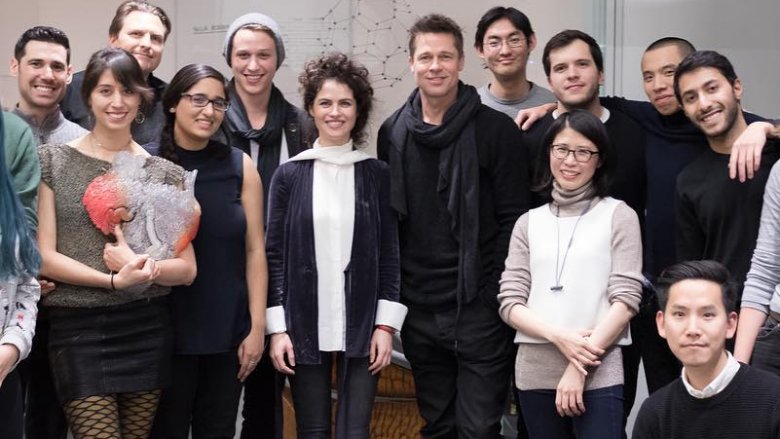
[254, 18]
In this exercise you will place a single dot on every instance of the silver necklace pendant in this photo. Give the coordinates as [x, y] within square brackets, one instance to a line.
[557, 288]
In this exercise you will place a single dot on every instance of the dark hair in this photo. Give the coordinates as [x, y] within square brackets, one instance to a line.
[339, 67]
[129, 6]
[590, 126]
[47, 34]
[517, 18]
[182, 81]
[18, 252]
[701, 59]
[712, 271]
[563, 39]
[436, 24]
[125, 69]
[684, 46]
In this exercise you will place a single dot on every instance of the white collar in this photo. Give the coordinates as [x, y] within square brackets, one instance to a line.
[337, 155]
[718, 384]
[604, 114]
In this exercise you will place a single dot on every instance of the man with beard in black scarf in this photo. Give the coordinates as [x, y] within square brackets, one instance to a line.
[270, 130]
[459, 181]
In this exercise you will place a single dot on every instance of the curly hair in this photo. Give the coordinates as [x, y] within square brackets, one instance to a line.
[339, 67]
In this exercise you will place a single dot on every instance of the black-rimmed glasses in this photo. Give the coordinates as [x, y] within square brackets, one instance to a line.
[561, 151]
[201, 100]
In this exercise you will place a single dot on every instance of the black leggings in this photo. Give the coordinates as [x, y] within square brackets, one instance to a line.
[11, 407]
[204, 395]
[311, 386]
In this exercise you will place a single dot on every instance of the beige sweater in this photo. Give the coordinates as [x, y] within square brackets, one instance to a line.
[540, 366]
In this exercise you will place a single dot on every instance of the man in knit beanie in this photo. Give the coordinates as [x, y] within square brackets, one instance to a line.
[268, 128]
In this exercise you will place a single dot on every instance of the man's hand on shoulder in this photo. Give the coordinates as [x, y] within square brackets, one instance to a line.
[746, 151]
[526, 118]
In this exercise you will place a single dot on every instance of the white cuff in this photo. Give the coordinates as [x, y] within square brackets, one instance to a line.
[17, 340]
[390, 313]
[274, 320]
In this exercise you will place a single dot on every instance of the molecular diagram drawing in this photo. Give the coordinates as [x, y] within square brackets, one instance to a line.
[373, 32]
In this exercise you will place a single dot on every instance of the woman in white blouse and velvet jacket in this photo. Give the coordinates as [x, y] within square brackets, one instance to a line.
[332, 246]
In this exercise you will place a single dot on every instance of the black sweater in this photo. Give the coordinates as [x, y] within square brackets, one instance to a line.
[429, 250]
[673, 142]
[717, 217]
[749, 408]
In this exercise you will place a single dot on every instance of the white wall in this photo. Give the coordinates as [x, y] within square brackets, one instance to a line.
[745, 31]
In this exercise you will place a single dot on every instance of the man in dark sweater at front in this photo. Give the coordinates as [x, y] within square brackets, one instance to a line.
[717, 217]
[458, 183]
[716, 396]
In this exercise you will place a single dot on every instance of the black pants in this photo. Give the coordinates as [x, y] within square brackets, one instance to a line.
[263, 409]
[602, 418]
[356, 387]
[43, 415]
[461, 364]
[766, 351]
[11, 407]
[661, 366]
[204, 394]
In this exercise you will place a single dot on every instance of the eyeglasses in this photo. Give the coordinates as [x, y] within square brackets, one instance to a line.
[562, 151]
[201, 100]
[514, 42]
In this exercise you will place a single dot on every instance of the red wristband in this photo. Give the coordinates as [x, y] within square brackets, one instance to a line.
[386, 328]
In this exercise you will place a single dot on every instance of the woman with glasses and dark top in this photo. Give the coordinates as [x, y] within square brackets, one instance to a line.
[572, 283]
[110, 336]
[218, 320]
[333, 258]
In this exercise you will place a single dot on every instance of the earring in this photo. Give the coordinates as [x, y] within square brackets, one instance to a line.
[171, 110]
[140, 117]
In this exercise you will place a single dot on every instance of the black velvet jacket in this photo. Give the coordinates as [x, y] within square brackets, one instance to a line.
[373, 271]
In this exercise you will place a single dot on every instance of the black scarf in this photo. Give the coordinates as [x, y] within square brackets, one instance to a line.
[269, 137]
[458, 184]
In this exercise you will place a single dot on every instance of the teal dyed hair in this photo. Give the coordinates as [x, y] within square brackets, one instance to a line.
[13, 227]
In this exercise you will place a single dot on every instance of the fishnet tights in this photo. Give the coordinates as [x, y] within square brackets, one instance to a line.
[118, 416]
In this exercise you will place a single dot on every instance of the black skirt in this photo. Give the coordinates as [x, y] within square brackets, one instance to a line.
[113, 349]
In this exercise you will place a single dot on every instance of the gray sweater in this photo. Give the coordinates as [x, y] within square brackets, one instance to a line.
[761, 287]
[68, 172]
[540, 366]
